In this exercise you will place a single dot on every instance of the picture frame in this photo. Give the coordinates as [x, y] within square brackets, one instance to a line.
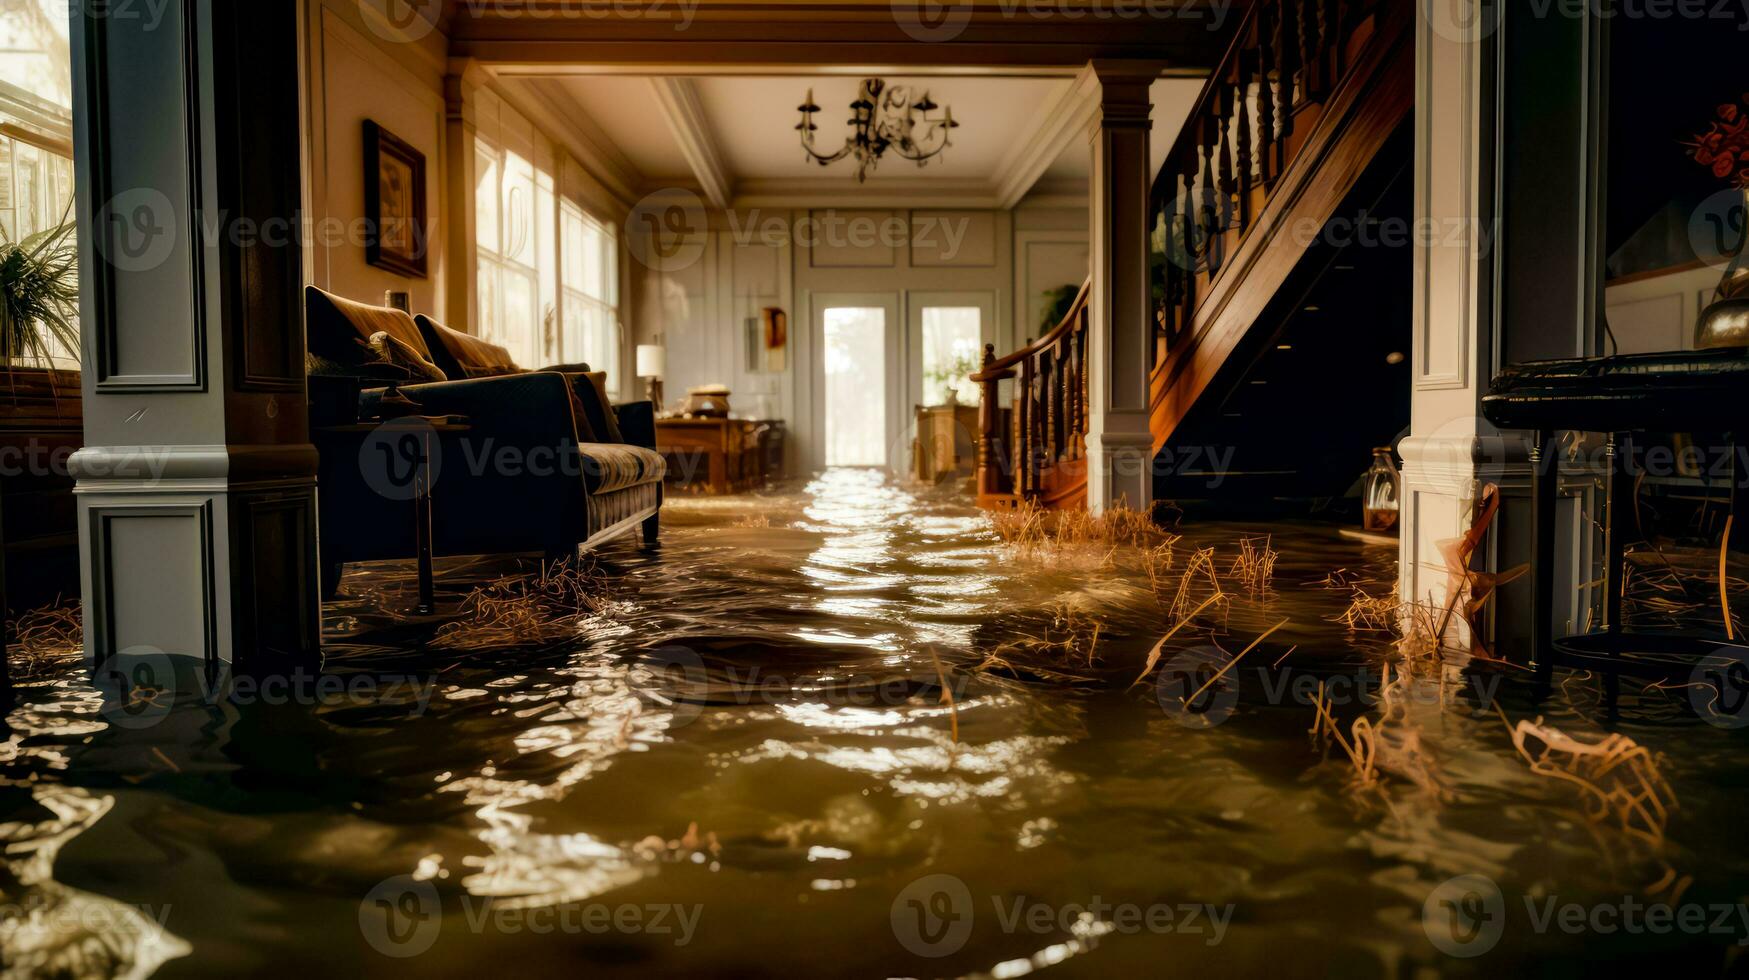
[394, 203]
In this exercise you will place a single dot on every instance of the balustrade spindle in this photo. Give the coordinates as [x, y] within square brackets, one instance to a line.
[1244, 143]
[1287, 69]
[1265, 93]
[1207, 220]
[1225, 177]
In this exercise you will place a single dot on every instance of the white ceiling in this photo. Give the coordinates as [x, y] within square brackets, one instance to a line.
[754, 119]
[740, 131]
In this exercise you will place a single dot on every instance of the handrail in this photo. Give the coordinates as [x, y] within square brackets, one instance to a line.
[1247, 126]
[993, 365]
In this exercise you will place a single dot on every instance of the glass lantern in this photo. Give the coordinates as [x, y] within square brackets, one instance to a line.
[1379, 492]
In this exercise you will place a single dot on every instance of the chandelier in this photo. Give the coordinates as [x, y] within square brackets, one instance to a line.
[884, 118]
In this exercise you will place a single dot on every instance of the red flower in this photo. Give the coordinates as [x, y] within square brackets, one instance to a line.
[1728, 112]
[1726, 162]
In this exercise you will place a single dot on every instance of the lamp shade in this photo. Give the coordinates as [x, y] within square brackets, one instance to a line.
[652, 360]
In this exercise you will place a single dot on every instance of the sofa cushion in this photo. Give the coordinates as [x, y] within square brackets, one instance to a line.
[609, 466]
[600, 411]
[462, 355]
[338, 329]
[402, 355]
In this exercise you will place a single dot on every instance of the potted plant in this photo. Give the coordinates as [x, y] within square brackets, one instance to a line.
[39, 299]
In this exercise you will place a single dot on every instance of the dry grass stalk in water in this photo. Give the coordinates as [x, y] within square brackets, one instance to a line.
[45, 636]
[1200, 567]
[1370, 613]
[1160, 647]
[523, 610]
[1030, 527]
[1392, 743]
[1255, 565]
[1617, 778]
[953, 709]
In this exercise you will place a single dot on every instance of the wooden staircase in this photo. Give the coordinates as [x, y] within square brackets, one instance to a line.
[1306, 96]
[1037, 449]
[1232, 214]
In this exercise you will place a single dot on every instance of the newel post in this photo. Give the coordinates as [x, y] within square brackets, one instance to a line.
[1120, 340]
[989, 429]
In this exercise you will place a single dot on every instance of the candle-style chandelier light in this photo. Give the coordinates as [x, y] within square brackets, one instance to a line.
[884, 118]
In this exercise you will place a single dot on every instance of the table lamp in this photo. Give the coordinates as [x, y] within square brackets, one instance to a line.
[652, 365]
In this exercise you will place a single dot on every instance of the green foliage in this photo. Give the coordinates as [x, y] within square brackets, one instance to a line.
[39, 296]
[1057, 304]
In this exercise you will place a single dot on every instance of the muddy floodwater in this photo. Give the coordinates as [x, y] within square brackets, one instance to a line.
[736, 760]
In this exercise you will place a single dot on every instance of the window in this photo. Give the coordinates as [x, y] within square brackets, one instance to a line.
[951, 339]
[548, 270]
[590, 281]
[504, 201]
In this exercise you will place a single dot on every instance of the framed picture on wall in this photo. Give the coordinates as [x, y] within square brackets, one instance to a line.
[394, 203]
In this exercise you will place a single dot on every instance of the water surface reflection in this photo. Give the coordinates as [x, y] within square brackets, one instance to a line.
[749, 725]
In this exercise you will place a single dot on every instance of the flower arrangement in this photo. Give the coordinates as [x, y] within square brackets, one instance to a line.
[1724, 147]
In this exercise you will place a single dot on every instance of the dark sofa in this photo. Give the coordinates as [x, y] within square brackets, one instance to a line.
[544, 464]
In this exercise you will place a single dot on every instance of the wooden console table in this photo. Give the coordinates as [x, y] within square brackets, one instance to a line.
[947, 442]
[712, 455]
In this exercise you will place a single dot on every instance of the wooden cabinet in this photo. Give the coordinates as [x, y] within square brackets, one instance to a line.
[947, 442]
[711, 455]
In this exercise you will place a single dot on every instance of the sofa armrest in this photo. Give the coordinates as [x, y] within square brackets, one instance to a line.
[637, 422]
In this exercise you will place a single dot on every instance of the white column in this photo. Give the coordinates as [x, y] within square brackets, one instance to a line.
[1121, 318]
[1505, 270]
[196, 486]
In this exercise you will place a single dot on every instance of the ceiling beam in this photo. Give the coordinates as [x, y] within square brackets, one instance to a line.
[678, 99]
[1064, 121]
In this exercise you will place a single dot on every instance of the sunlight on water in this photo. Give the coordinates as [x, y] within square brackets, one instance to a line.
[751, 723]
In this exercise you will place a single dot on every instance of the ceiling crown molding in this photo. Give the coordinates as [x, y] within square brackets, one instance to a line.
[678, 99]
[554, 112]
[1063, 122]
